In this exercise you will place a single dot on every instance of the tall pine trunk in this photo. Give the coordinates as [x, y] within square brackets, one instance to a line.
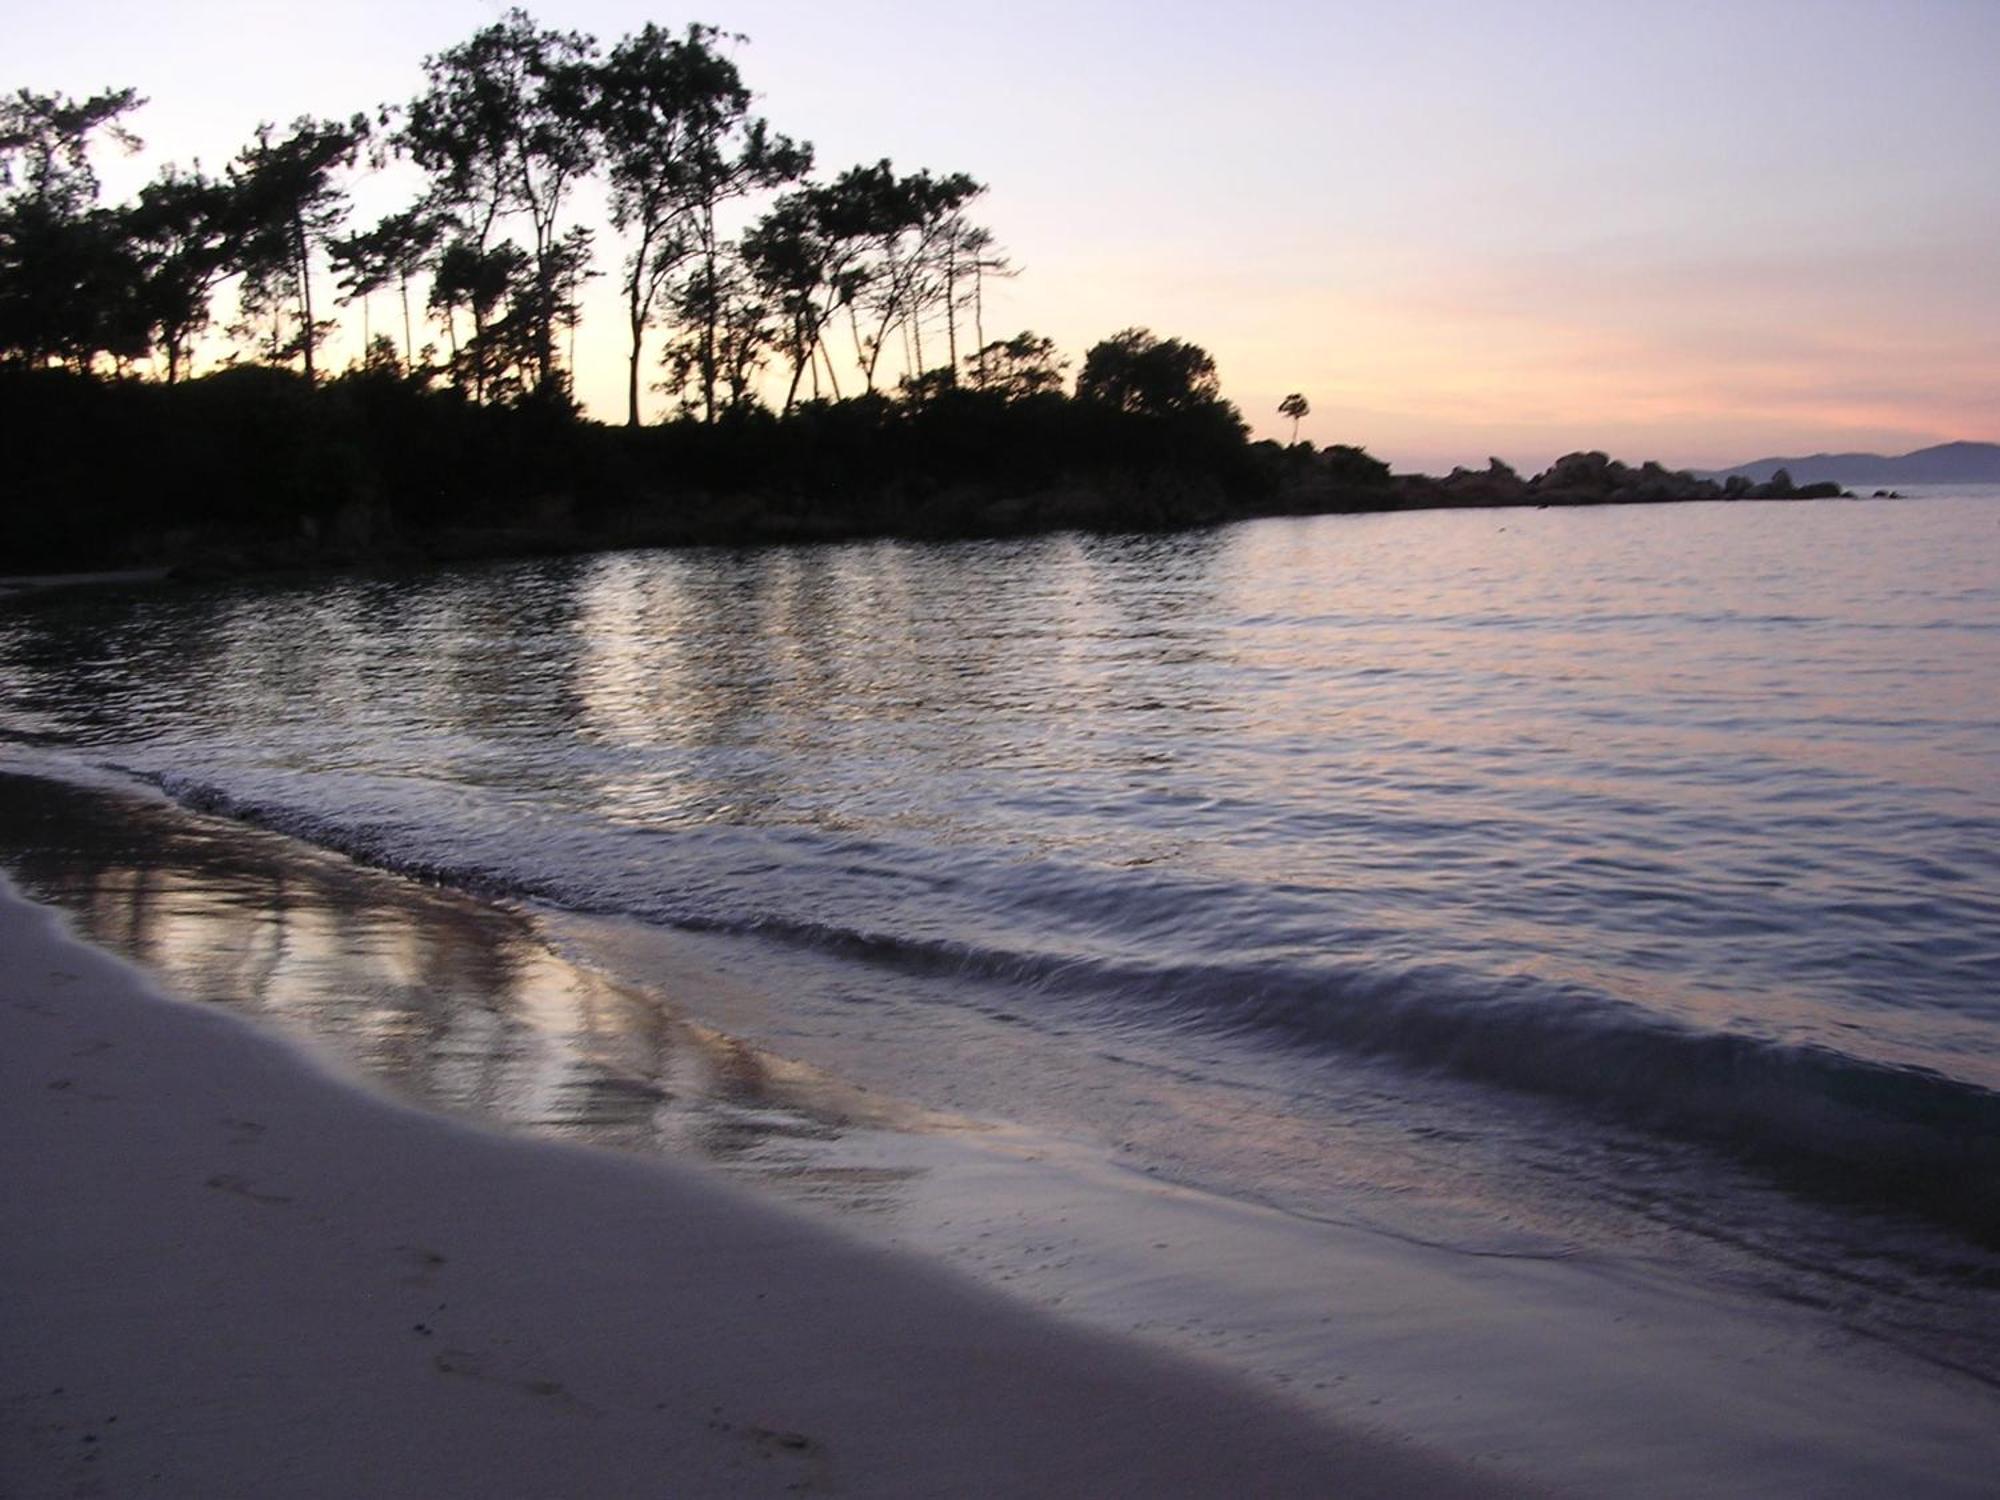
[409, 344]
[636, 317]
[309, 333]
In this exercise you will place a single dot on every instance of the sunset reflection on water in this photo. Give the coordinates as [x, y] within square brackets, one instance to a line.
[442, 1000]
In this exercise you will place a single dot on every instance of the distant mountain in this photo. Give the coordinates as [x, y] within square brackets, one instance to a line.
[1948, 463]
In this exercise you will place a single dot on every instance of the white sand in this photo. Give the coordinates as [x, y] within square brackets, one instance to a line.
[226, 1273]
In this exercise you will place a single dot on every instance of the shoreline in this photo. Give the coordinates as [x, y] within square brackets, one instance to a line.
[370, 469]
[1055, 512]
[243, 1276]
[1581, 1372]
[29, 583]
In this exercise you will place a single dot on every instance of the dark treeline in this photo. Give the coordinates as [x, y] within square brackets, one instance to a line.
[820, 342]
[252, 468]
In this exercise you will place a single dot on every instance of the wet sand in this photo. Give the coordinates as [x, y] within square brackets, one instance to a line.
[23, 583]
[229, 1273]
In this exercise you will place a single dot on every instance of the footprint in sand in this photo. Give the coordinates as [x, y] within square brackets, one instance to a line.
[229, 1183]
[425, 1261]
[467, 1365]
[775, 1444]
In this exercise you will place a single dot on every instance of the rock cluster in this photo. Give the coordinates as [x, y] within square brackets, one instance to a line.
[1591, 479]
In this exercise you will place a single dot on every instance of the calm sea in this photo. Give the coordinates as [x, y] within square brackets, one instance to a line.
[1629, 875]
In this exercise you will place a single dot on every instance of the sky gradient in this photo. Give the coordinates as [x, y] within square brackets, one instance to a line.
[1697, 232]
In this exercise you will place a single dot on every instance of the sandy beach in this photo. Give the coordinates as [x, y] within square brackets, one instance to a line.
[228, 1273]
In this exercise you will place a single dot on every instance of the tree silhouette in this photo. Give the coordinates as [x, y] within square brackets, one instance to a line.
[972, 254]
[476, 282]
[906, 226]
[45, 144]
[187, 230]
[1016, 369]
[806, 256]
[69, 277]
[1134, 371]
[678, 141]
[723, 332]
[1296, 407]
[504, 128]
[977, 257]
[290, 199]
[395, 250]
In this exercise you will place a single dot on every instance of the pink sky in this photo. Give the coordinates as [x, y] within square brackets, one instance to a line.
[1697, 231]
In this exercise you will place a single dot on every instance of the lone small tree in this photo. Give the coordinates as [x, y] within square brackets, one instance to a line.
[1295, 406]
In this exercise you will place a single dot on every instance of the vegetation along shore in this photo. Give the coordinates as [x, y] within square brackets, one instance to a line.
[817, 344]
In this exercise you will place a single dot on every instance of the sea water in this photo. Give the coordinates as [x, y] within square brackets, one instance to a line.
[1622, 877]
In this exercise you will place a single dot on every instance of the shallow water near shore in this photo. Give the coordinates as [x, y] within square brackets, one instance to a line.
[1592, 1369]
[1617, 884]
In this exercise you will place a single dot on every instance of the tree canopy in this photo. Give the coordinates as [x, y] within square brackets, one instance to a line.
[71, 280]
[1135, 371]
[743, 277]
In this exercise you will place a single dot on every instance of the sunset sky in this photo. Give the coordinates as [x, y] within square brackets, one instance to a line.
[1695, 231]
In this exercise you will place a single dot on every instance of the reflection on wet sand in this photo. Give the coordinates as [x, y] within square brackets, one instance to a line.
[446, 1001]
